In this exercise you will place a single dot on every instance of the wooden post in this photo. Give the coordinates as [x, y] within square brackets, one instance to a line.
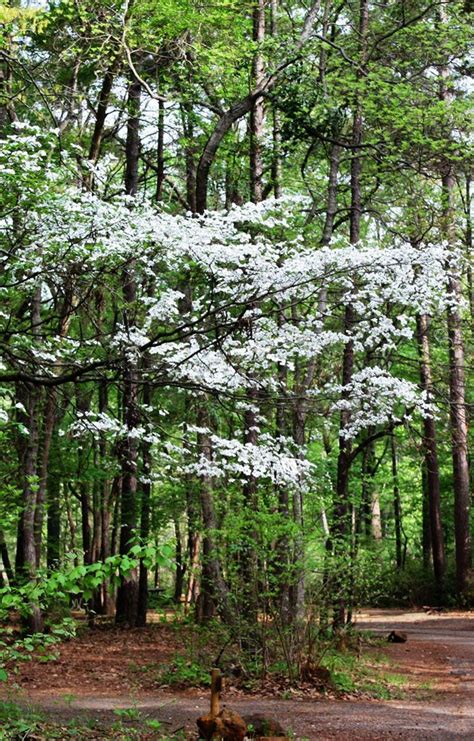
[216, 689]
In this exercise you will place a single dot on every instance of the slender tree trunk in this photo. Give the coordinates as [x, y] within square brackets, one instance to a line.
[214, 594]
[365, 517]
[4, 555]
[7, 108]
[397, 504]
[433, 487]
[426, 519]
[101, 114]
[160, 152]
[249, 558]
[257, 113]
[299, 585]
[29, 396]
[127, 594]
[48, 428]
[341, 509]
[458, 412]
[180, 565]
[100, 118]
[26, 562]
[276, 154]
[193, 538]
[189, 156]
[457, 381]
[53, 491]
[83, 406]
[71, 529]
[194, 550]
[145, 513]
[469, 244]
[283, 549]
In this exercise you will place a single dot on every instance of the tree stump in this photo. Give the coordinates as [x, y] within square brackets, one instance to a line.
[220, 724]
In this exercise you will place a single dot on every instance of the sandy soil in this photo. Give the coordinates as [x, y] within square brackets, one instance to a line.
[439, 654]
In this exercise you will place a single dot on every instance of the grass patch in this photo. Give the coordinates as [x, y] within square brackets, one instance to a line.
[17, 722]
[366, 671]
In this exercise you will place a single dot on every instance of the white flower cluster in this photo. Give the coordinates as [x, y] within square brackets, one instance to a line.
[375, 397]
[242, 461]
[255, 304]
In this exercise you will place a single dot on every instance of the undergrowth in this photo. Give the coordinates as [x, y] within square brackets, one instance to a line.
[352, 663]
[18, 723]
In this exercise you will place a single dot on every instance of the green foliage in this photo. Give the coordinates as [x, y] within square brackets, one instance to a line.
[57, 587]
[17, 722]
[40, 646]
[182, 672]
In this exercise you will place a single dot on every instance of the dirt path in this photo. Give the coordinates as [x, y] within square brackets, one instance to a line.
[439, 651]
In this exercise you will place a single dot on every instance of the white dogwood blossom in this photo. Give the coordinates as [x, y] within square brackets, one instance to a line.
[255, 307]
[375, 397]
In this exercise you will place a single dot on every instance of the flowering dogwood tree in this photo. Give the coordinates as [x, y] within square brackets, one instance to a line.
[213, 315]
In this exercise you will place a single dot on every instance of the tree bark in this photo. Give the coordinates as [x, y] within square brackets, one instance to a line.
[257, 112]
[189, 156]
[5, 556]
[458, 412]
[457, 381]
[99, 126]
[430, 447]
[48, 429]
[397, 504]
[341, 509]
[127, 594]
[214, 594]
[145, 514]
[26, 546]
[276, 154]
[53, 510]
[160, 152]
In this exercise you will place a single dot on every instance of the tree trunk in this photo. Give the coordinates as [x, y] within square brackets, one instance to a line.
[341, 509]
[180, 565]
[298, 589]
[276, 154]
[468, 243]
[145, 514]
[397, 504]
[127, 594]
[458, 412]
[214, 594]
[430, 447]
[249, 558]
[426, 519]
[4, 555]
[48, 428]
[53, 510]
[189, 156]
[457, 382]
[99, 126]
[257, 112]
[160, 152]
[283, 549]
[26, 547]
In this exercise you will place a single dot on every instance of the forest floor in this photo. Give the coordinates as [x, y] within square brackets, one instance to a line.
[104, 676]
